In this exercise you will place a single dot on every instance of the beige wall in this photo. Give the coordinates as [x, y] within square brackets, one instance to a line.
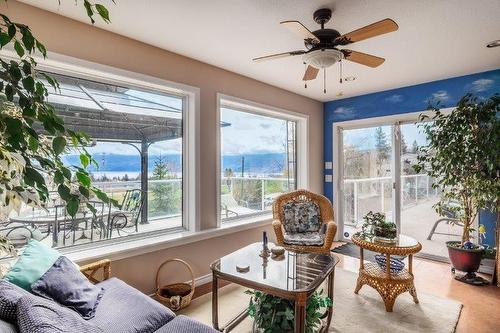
[76, 39]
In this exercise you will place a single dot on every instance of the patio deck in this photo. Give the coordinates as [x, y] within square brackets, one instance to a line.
[417, 221]
[154, 225]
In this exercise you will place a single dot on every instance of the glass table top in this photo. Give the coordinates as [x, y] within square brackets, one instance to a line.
[292, 272]
[401, 241]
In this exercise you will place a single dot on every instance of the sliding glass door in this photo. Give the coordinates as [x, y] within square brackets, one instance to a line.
[376, 174]
[366, 175]
[418, 218]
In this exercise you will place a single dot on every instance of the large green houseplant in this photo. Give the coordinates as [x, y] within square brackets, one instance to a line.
[463, 156]
[276, 315]
[32, 136]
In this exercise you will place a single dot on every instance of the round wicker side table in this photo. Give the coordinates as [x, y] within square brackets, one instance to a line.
[388, 284]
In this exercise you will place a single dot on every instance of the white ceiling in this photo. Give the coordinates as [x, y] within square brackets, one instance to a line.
[436, 38]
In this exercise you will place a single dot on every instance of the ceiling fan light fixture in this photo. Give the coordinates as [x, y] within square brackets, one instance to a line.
[322, 58]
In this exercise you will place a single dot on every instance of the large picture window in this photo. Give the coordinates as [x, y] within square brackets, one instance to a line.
[257, 159]
[137, 140]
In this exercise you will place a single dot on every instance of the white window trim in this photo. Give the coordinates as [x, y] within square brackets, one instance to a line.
[302, 137]
[71, 66]
[337, 127]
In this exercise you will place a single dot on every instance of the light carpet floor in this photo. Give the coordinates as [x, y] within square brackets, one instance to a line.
[352, 313]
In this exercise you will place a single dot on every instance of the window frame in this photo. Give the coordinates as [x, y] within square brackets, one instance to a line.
[302, 151]
[74, 67]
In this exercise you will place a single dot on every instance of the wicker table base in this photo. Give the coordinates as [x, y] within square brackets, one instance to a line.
[388, 284]
[389, 287]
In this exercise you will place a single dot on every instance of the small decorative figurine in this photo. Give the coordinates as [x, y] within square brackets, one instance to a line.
[277, 253]
[265, 250]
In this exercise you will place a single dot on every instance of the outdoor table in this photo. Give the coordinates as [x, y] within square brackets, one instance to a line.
[48, 218]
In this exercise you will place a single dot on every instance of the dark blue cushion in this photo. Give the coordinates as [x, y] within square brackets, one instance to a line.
[125, 309]
[38, 315]
[66, 285]
[9, 296]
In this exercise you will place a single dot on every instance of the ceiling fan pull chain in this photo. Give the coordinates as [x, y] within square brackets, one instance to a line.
[340, 71]
[324, 81]
[305, 69]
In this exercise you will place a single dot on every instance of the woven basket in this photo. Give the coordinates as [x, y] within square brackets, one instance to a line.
[176, 296]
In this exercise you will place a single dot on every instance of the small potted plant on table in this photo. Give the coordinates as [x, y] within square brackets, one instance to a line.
[463, 156]
[377, 227]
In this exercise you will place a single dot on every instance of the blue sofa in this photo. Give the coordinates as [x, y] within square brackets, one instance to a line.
[124, 309]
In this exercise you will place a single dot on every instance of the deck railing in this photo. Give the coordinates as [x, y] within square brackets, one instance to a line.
[257, 192]
[376, 193]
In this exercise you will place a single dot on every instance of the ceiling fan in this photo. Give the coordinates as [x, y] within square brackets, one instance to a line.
[322, 45]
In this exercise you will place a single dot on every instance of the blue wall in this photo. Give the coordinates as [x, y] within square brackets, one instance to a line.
[406, 100]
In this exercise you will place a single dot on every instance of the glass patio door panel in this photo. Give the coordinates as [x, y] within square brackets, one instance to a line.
[367, 175]
[377, 174]
[418, 217]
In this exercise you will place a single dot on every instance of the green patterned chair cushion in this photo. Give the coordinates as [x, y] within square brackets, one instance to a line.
[301, 217]
[304, 238]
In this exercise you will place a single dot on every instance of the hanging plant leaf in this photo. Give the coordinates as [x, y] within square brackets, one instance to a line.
[19, 49]
[58, 144]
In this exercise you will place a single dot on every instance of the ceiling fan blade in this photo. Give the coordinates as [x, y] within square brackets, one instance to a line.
[372, 30]
[363, 58]
[310, 74]
[279, 55]
[300, 30]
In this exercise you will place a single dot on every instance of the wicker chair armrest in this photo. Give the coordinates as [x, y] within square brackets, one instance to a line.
[90, 270]
[331, 230]
[278, 231]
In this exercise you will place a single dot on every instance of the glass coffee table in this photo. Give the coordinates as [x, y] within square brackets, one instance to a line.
[294, 276]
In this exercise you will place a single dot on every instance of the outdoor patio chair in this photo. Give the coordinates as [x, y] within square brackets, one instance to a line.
[19, 234]
[231, 207]
[86, 219]
[128, 213]
[303, 222]
[450, 217]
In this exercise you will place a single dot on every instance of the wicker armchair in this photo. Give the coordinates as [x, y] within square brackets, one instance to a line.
[285, 236]
[97, 271]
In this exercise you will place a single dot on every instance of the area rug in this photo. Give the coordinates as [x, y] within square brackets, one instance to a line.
[352, 313]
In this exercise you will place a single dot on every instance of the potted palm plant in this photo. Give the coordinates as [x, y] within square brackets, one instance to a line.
[463, 156]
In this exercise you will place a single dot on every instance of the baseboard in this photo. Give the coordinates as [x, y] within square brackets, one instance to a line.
[199, 281]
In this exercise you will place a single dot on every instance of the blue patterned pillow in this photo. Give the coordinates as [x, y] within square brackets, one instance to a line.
[38, 315]
[9, 296]
[301, 217]
[66, 285]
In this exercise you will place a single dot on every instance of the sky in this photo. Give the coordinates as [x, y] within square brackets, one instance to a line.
[251, 134]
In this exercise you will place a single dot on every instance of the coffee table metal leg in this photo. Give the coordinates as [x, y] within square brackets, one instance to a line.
[235, 321]
[331, 279]
[300, 313]
[215, 301]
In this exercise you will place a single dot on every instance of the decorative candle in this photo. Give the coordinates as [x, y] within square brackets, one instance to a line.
[264, 238]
